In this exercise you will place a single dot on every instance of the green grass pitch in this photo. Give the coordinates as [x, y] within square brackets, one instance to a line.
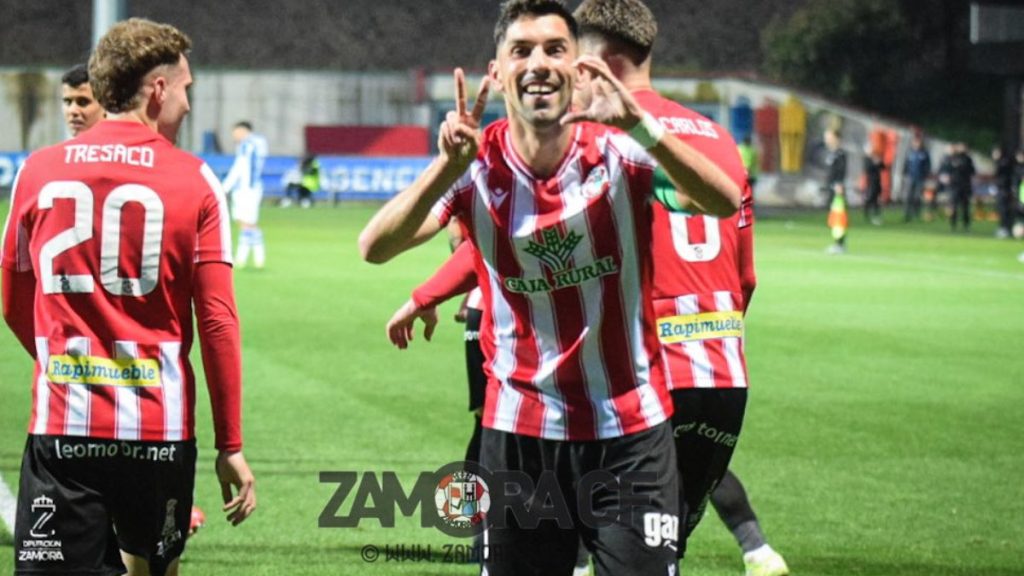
[884, 433]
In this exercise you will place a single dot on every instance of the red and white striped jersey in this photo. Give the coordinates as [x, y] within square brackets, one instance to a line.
[112, 224]
[565, 274]
[698, 297]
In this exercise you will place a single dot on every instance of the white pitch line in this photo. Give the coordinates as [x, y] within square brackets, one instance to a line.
[8, 504]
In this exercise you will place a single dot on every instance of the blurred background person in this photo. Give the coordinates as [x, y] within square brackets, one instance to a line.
[943, 187]
[245, 184]
[81, 110]
[916, 169]
[961, 172]
[835, 188]
[873, 167]
[748, 154]
[1006, 198]
[303, 183]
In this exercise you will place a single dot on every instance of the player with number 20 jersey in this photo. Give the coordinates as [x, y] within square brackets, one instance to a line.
[122, 231]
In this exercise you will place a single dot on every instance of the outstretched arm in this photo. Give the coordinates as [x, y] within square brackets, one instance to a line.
[456, 276]
[708, 188]
[405, 221]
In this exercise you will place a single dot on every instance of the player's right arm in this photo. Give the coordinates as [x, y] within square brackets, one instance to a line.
[405, 221]
[18, 294]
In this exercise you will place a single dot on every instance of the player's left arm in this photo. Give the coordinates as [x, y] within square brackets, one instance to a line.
[748, 277]
[709, 189]
[19, 292]
[456, 276]
[220, 342]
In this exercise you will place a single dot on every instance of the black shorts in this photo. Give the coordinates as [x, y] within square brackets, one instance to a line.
[83, 500]
[706, 425]
[620, 496]
[475, 360]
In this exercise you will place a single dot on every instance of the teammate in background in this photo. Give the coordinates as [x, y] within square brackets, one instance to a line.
[703, 270]
[105, 255]
[558, 214]
[733, 507]
[245, 184]
[81, 110]
[916, 168]
[835, 188]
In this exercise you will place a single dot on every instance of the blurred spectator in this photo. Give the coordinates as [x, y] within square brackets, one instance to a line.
[1006, 199]
[304, 183]
[916, 168]
[748, 153]
[1018, 188]
[961, 171]
[835, 185]
[943, 188]
[873, 167]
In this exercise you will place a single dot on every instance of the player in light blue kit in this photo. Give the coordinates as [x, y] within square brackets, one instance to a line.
[245, 184]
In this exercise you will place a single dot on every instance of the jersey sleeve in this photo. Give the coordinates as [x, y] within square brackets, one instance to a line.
[213, 242]
[15, 255]
[456, 276]
[746, 212]
[217, 320]
[453, 202]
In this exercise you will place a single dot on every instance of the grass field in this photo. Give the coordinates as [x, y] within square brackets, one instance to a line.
[884, 433]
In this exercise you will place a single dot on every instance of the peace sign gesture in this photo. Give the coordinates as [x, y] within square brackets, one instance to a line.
[609, 102]
[459, 136]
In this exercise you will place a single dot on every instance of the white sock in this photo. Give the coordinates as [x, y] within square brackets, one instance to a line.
[758, 554]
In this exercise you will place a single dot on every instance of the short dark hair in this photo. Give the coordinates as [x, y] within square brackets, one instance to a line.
[512, 10]
[244, 124]
[76, 76]
[129, 51]
[629, 24]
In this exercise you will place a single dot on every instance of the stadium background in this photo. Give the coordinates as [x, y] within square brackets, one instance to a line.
[885, 422]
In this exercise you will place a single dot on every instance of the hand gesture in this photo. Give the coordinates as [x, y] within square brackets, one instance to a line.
[609, 100]
[233, 471]
[459, 136]
[402, 324]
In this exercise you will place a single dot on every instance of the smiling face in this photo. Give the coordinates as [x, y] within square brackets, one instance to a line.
[534, 68]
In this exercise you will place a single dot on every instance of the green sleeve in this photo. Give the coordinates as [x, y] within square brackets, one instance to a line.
[665, 192]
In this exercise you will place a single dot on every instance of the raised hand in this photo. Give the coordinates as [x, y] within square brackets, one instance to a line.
[402, 325]
[459, 136]
[609, 101]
